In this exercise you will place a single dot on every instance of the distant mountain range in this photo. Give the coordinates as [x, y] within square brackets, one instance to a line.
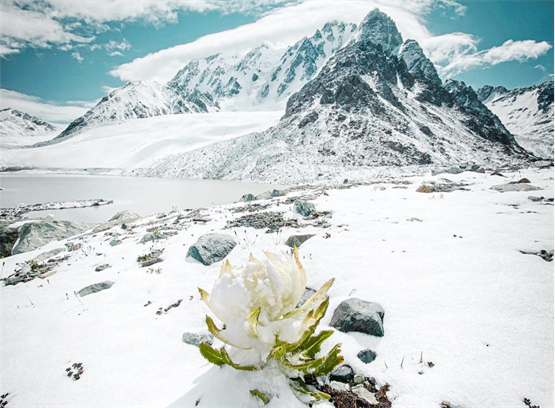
[16, 123]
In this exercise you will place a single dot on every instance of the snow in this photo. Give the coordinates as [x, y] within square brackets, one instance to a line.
[455, 289]
[139, 142]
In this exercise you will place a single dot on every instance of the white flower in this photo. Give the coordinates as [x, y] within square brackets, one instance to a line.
[257, 303]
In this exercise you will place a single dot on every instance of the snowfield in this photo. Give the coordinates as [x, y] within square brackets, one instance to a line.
[446, 267]
[137, 143]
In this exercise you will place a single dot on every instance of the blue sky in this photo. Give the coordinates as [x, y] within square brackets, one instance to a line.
[66, 55]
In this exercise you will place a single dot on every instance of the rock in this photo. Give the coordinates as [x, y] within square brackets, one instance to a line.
[115, 242]
[546, 255]
[123, 217]
[46, 255]
[366, 356]
[359, 316]
[102, 267]
[271, 220]
[159, 216]
[523, 181]
[425, 189]
[344, 373]
[36, 234]
[97, 287]
[304, 208]
[264, 196]
[535, 199]
[451, 170]
[477, 169]
[152, 236]
[339, 386]
[306, 295]
[503, 188]
[150, 262]
[358, 379]
[8, 237]
[413, 219]
[277, 193]
[211, 248]
[363, 393]
[297, 240]
[248, 197]
[195, 339]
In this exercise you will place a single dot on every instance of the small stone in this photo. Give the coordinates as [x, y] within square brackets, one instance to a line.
[304, 208]
[195, 339]
[115, 242]
[363, 393]
[97, 287]
[339, 386]
[306, 295]
[160, 216]
[277, 193]
[412, 219]
[503, 188]
[342, 374]
[477, 169]
[150, 262]
[248, 197]
[102, 267]
[211, 248]
[535, 199]
[366, 356]
[425, 189]
[297, 240]
[152, 236]
[358, 379]
[523, 181]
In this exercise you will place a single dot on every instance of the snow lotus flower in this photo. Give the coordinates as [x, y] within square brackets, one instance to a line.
[257, 305]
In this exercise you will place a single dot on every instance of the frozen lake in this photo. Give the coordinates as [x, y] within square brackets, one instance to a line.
[145, 196]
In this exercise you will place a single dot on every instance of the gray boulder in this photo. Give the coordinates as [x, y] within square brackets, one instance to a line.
[211, 248]
[264, 196]
[366, 356]
[504, 188]
[102, 267]
[46, 255]
[97, 287]
[306, 295]
[277, 193]
[297, 240]
[195, 339]
[8, 237]
[355, 315]
[33, 235]
[304, 208]
[248, 197]
[344, 374]
[152, 236]
[123, 217]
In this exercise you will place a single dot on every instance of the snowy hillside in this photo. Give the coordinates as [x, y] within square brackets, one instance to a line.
[365, 108]
[468, 319]
[138, 100]
[137, 143]
[19, 128]
[527, 113]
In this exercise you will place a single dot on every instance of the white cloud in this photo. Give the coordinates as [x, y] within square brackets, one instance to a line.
[115, 54]
[509, 51]
[121, 46]
[78, 57]
[46, 110]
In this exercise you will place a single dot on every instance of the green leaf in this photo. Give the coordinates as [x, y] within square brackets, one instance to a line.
[299, 386]
[312, 345]
[332, 360]
[265, 398]
[229, 362]
[213, 356]
[315, 299]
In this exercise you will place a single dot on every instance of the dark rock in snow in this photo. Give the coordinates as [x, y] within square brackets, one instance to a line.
[359, 316]
[344, 374]
[195, 339]
[297, 240]
[304, 208]
[211, 248]
[8, 237]
[150, 262]
[102, 267]
[306, 295]
[523, 181]
[152, 236]
[503, 188]
[367, 356]
[535, 199]
[248, 197]
[277, 193]
[97, 287]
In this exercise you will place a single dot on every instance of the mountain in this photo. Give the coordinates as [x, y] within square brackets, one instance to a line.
[138, 100]
[19, 129]
[526, 112]
[364, 108]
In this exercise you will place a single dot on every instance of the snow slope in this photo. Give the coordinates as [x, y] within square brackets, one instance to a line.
[455, 287]
[527, 113]
[137, 143]
[19, 128]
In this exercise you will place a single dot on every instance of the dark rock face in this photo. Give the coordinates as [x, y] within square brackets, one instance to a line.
[417, 63]
[306, 295]
[304, 208]
[359, 316]
[97, 287]
[102, 267]
[297, 240]
[367, 356]
[36, 234]
[8, 237]
[343, 374]
[211, 248]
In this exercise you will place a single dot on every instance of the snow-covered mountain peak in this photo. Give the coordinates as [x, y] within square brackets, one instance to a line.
[417, 62]
[17, 127]
[379, 28]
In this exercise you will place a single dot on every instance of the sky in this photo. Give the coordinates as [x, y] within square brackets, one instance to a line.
[58, 58]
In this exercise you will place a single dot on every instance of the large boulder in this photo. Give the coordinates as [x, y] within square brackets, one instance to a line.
[297, 240]
[39, 233]
[304, 208]
[97, 287]
[356, 315]
[504, 188]
[211, 248]
[8, 237]
[123, 217]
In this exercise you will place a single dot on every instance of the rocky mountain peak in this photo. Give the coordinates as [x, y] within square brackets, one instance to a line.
[488, 92]
[417, 62]
[379, 28]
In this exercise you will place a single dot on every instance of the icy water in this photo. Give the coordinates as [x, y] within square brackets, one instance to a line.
[145, 196]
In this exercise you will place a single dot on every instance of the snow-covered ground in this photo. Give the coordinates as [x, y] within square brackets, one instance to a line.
[139, 142]
[445, 267]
